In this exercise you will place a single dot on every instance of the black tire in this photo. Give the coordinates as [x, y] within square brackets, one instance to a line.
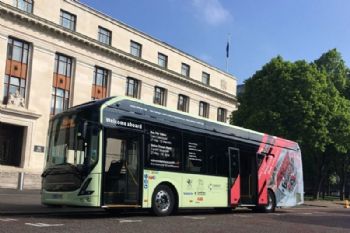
[271, 203]
[163, 201]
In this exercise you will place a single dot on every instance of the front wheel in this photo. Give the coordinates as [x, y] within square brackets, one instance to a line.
[163, 201]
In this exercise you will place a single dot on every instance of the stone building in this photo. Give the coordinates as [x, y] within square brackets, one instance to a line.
[60, 53]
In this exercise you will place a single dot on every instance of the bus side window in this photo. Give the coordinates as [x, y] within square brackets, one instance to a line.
[194, 153]
[163, 148]
[218, 158]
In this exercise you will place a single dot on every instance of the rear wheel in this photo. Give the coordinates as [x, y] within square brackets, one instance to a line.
[163, 201]
[271, 204]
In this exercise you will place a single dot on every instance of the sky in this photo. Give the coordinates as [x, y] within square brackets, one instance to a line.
[258, 30]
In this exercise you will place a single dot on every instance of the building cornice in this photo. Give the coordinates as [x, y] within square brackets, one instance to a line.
[21, 112]
[35, 20]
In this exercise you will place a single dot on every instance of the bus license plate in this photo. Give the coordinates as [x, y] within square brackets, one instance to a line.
[57, 196]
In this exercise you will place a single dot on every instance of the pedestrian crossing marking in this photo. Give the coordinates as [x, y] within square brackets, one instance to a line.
[8, 220]
[129, 220]
[43, 225]
[195, 218]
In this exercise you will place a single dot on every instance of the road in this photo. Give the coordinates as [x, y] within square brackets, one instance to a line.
[304, 219]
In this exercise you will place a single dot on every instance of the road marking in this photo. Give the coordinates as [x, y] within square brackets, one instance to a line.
[243, 216]
[195, 218]
[129, 220]
[8, 220]
[43, 225]
[276, 214]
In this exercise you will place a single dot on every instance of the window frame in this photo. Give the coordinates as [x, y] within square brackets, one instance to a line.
[17, 79]
[163, 96]
[28, 5]
[136, 88]
[186, 103]
[185, 69]
[104, 33]
[222, 117]
[105, 81]
[204, 109]
[135, 46]
[163, 59]
[206, 78]
[72, 19]
[68, 75]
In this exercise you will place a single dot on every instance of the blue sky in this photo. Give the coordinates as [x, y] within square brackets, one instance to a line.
[260, 30]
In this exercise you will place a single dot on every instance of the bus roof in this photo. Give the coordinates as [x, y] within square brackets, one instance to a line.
[160, 114]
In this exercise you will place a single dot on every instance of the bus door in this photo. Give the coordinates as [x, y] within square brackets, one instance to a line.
[248, 177]
[243, 177]
[122, 168]
[234, 179]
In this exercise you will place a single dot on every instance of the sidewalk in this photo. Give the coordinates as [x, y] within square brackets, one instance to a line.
[325, 204]
[27, 202]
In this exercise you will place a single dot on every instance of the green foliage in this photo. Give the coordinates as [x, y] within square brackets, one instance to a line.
[304, 102]
[290, 100]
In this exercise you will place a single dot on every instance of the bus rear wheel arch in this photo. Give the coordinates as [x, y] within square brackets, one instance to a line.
[164, 200]
[271, 204]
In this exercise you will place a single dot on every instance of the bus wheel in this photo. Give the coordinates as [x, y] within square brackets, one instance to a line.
[271, 204]
[163, 201]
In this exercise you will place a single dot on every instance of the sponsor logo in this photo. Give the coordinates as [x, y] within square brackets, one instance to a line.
[188, 193]
[145, 181]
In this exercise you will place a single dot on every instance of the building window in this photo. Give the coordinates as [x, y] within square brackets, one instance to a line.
[25, 5]
[222, 114]
[205, 78]
[104, 35]
[100, 83]
[61, 84]
[162, 60]
[203, 109]
[160, 96]
[185, 70]
[133, 87]
[16, 68]
[183, 103]
[135, 49]
[68, 20]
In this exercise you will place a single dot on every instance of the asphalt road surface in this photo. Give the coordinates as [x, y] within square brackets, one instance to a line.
[294, 220]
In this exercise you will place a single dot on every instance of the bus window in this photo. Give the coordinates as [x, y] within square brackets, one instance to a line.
[163, 148]
[194, 153]
[218, 158]
[114, 151]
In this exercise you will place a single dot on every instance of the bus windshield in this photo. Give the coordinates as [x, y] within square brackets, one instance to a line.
[72, 142]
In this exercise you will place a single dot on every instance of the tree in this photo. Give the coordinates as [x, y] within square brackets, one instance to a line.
[337, 73]
[296, 101]
[334, 66]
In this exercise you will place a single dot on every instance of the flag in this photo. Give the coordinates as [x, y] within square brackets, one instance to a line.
[228, 49]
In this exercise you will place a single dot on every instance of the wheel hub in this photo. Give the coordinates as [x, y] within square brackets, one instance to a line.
[162, 201]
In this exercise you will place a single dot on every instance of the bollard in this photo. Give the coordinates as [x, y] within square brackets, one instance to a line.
[346, 204]
[20, 183]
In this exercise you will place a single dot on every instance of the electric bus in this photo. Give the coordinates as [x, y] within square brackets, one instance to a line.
[120, 153]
